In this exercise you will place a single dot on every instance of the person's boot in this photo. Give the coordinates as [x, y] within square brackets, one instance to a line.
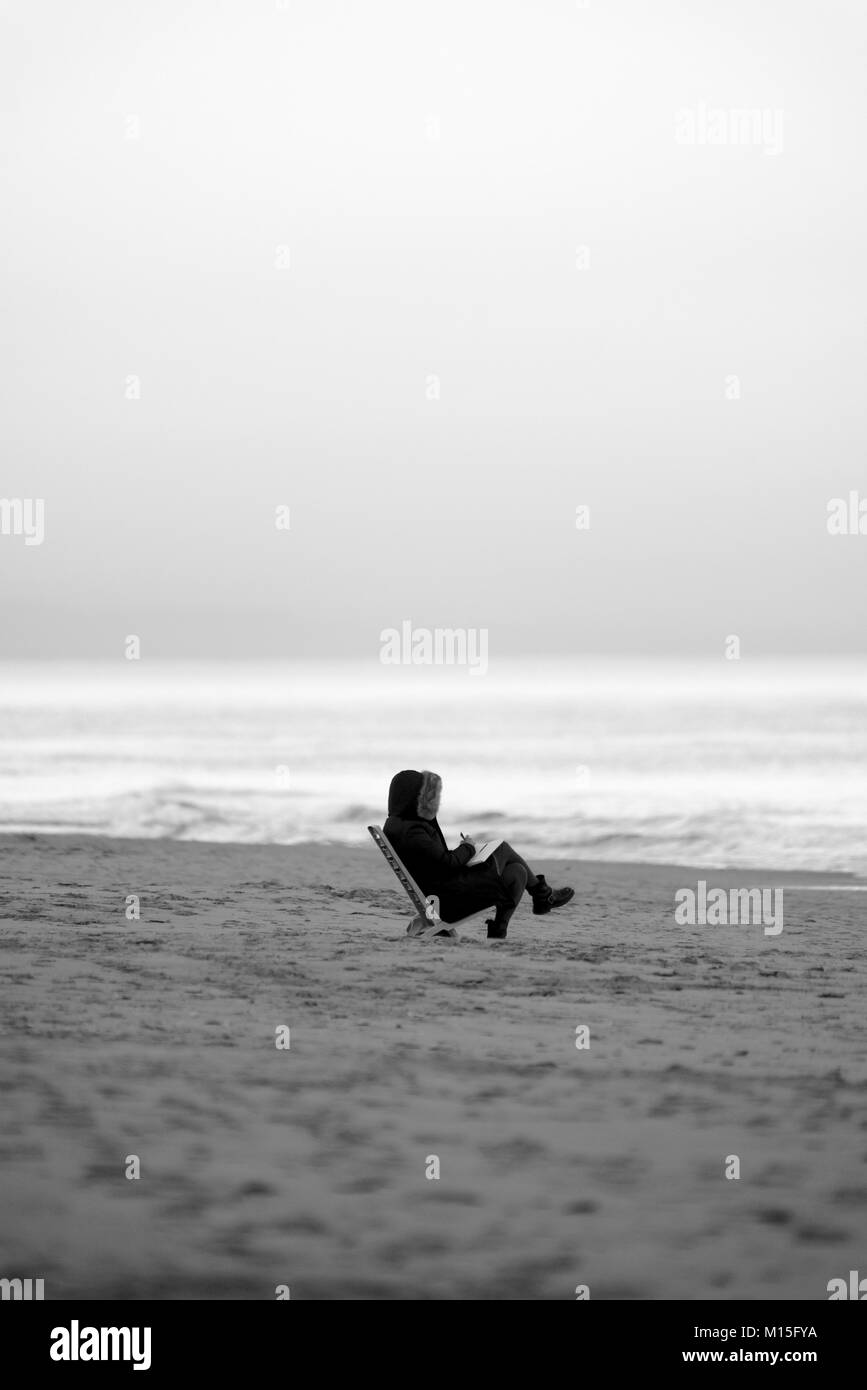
[496, 930]
[545, 898]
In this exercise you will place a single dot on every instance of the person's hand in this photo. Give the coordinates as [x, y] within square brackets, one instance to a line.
[468, 840]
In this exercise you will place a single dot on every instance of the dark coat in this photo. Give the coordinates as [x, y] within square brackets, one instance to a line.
[420, 845]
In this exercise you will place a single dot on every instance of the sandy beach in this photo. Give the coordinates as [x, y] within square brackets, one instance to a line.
[306, 1166]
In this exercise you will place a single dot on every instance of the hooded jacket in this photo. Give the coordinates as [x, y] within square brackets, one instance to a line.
[413, 830]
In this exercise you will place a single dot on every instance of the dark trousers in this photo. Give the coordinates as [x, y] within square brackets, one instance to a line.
[515, 874]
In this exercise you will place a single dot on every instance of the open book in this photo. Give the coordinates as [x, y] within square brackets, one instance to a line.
[483, 852]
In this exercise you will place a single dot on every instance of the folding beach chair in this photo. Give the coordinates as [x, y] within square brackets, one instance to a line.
[427, 921]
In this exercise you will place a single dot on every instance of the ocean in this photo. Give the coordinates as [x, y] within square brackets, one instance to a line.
[747, 764]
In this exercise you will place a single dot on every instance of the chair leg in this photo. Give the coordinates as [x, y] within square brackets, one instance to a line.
[421, 928]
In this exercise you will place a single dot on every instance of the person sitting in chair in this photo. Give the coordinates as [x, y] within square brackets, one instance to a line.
[412, 828]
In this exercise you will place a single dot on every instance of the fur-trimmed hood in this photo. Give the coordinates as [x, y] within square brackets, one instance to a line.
[414, 795]
[429, 796]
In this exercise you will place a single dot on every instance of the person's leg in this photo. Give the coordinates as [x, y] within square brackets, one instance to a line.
[514, 877]
[545, 898]
[514, 880]
[504, 855]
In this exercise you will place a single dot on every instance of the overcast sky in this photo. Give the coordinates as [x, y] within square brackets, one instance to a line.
[432, 276]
